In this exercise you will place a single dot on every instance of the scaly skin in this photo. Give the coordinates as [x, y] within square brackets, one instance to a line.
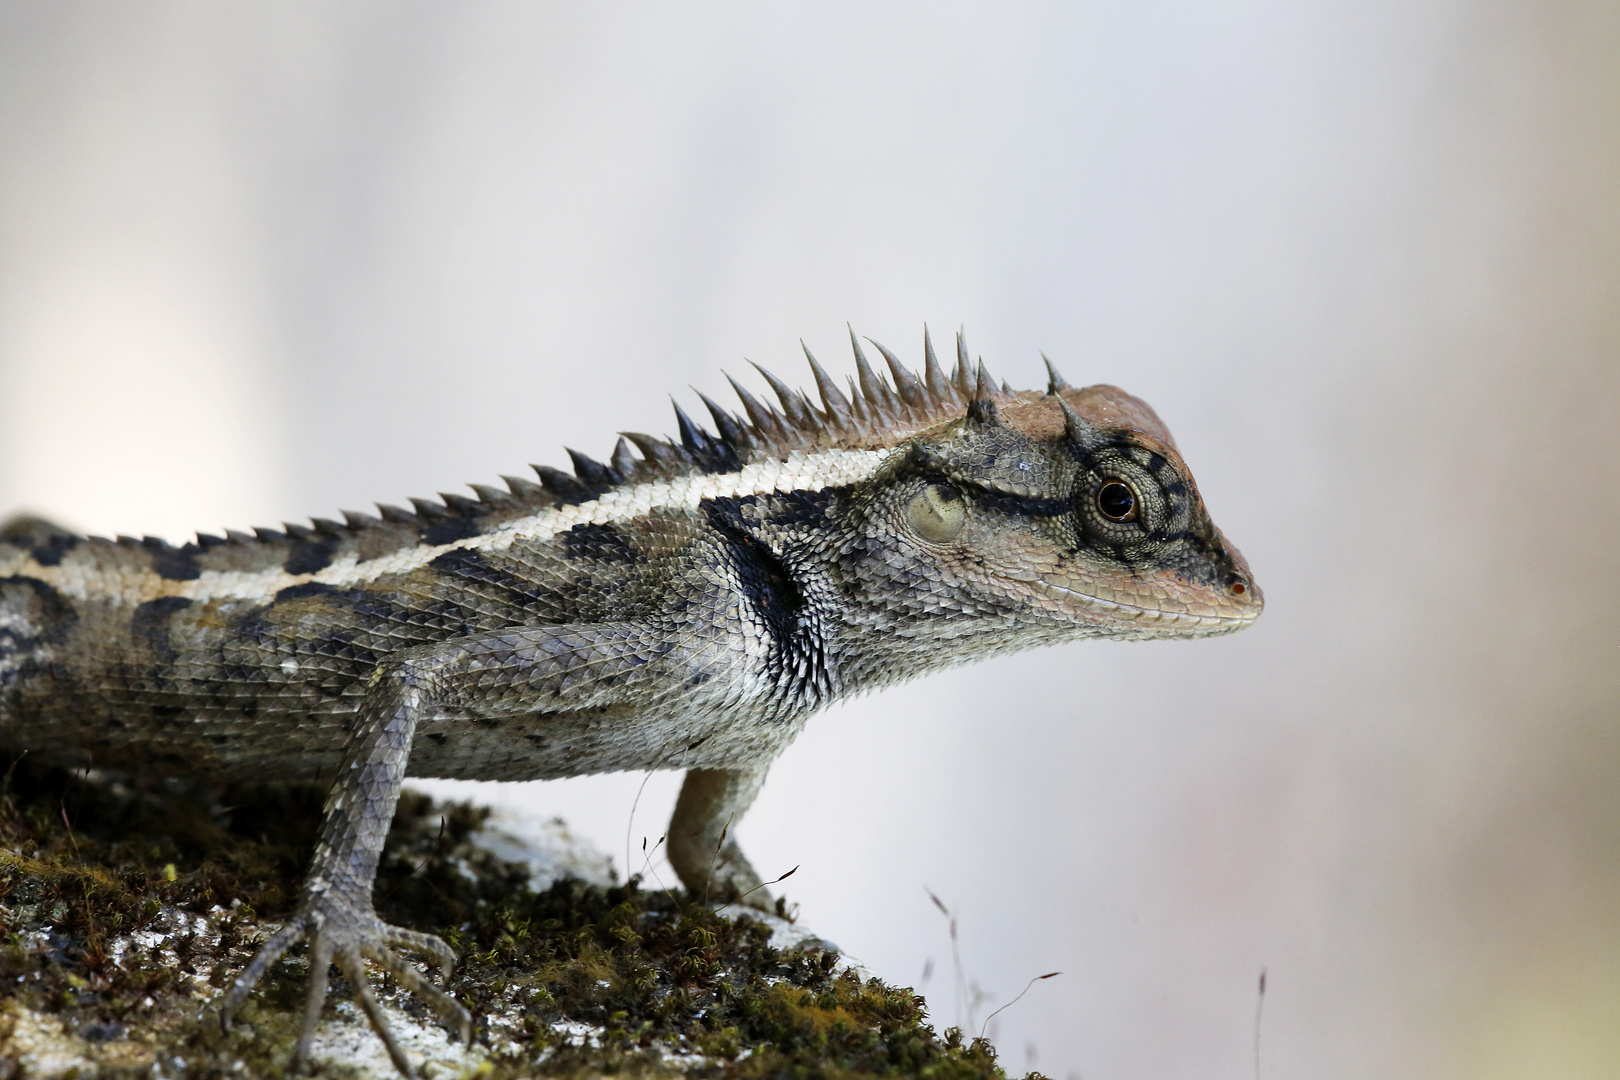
[688, 609]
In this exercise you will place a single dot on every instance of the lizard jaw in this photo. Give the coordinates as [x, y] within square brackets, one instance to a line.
[1172, 623]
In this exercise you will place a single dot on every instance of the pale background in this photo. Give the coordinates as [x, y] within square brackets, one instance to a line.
[260, 261]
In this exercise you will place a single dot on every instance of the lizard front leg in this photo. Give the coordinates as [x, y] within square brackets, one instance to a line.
[702, 842]
[499, 674]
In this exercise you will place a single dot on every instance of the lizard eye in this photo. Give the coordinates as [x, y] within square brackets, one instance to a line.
[1116, 501]
[937, 513]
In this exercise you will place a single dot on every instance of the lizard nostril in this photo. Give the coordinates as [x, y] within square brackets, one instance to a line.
[1238, 588]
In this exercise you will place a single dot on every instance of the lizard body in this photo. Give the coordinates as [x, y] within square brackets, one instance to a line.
[688, 607]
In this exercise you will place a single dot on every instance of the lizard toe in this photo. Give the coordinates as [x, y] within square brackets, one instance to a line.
[397, 937]
[448, 1008]
[289, 935]
[349, 960]
[320, 962]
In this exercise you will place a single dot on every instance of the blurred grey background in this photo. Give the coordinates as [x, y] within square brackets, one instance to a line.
[261, 261]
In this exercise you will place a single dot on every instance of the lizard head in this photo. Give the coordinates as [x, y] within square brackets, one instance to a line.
[1063, 514]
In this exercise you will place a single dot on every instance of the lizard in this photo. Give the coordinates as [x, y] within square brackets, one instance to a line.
[686, 604]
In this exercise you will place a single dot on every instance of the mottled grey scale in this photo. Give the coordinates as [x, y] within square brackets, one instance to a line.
[46, 542]
[34, 619]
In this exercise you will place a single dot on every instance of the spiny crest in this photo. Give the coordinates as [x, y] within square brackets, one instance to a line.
[874, 412]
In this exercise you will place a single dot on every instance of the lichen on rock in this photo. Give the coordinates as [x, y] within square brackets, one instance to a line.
[126, 908]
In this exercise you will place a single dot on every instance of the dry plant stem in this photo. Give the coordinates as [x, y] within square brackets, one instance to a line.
[962, 995]
[630, 825]
[1016, 1000]
[756, 888]
[1259, 1005]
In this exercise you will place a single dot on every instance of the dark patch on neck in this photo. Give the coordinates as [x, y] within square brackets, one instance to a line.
[769, 588]
[600, 543]
[311, 556]
[765, 577]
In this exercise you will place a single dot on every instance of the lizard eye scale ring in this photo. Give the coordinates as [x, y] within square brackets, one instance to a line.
[937, 513]
[1124, 505]
[1116, 501]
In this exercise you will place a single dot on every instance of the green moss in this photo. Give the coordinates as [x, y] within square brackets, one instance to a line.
[651, 973]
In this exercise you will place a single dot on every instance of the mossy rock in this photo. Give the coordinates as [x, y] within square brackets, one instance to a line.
[125, 910]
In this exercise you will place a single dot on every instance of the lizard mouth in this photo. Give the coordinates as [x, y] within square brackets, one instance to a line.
[1207, 619]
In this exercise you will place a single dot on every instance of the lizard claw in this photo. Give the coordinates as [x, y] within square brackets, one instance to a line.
[346, 934]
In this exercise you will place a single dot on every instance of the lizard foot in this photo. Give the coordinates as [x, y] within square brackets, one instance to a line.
[345, 933]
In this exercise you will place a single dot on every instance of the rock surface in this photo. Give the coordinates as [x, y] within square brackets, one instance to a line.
[126, 911]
